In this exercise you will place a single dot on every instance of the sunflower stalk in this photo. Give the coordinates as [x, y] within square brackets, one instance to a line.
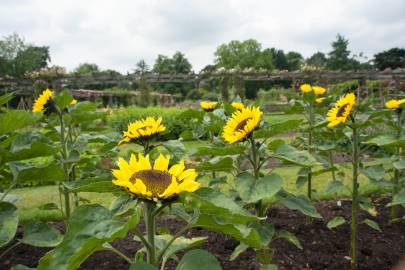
[355, 200]
[310, 141]
[150, 224]
[396, 187]
[64, 164]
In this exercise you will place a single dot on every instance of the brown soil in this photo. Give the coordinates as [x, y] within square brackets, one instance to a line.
[322, 248]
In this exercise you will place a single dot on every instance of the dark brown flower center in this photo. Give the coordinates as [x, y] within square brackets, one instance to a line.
[341, 110]
[155, 181]
[242, 124]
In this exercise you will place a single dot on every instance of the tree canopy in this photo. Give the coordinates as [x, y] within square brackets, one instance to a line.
[392, 58]
[177, 64]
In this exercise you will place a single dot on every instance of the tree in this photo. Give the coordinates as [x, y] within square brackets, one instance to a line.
[144, 89]
[318, 59]
[392, 58]
[237, 54]
[180, 63]
[141, 67]
[279, 59]
[339, 56]
[86, 69]
[162, 65]
[294, 60]
[265, 60]
[31, 59]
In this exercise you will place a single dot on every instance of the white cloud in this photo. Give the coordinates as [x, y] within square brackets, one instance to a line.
[117, 34]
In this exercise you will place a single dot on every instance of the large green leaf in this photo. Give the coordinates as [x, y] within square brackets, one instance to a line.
[40, 234]
[47, 173]
[278, 128]
[387, 140]
[217, 164]
[63, 99]
[89, 227]
[6, 98]
[92, 185]
[176, 148]
[29, 145]
[300, 203]
[252, 190]
[198, 260]
[8, 222]
[374, 172]
[336, 187]
[15, 119]
[292, 155]
[213, 202]
[177, 245]
[400, 164]
[336, 221]
[85, 111]
[219, 151]
[241, 232]
[398, 198]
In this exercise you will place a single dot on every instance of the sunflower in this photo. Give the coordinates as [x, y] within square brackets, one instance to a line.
[394, 104]
[341, 110]
[42, 101]
[159, 182]
[143, 129]
[241, 124]
[318, 90]
[208, 106]
[306, 88]
[237, 105]
[73, 102]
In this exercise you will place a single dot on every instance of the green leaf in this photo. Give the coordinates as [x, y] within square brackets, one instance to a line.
[92, 185]
[336, 187]
[292, 155]
[177, 245]
[123, 205]
[63, 99]
[142, 266]
[242, 247]
[8, 222]
[252, 190]
[47, 173]
[398, 198]
[89, 227]
[198, 260]
[374, 172]
[336, 221]
[219, 151]
[176, 148]
[213, 202]
[190, 113]
[220, 224]
[217, 164]
[399, 165]
[278, 128]
[40, 234]
[48, 206]
[300, 203]
[286, 235]
[6, 98]
[86, 111]
[14, 120]
[387, 140]
[372, 224]
[11, 198]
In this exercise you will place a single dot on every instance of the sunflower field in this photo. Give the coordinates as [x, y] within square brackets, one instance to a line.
[219, 186]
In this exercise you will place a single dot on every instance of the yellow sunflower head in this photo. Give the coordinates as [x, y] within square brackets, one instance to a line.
[319, 100]
[237, 105]
[319, 90]
[154, 183]
[208, 106]
[341, 110]
[143, 129]
[241, 124]
[394, 104]
[305, 88]
[42, 101]
[73, 102]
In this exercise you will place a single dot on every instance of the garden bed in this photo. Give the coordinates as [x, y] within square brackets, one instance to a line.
[322, 248]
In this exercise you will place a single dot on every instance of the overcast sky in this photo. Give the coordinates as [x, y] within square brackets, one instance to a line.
[118, 33]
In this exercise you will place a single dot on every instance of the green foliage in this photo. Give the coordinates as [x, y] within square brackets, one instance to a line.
[8, 222]
[198, 260]
[392, 58]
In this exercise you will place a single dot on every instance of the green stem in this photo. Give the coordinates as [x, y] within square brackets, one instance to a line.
[141, 237]
[119, 253]
[255, 162]
[65, 168]
[177, 235]
[310, 139]
[331, 164]
[150, 231]
[394, 208]
[9, 249]
[355, 202]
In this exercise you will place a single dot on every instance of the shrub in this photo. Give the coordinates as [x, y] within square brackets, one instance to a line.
[120, 119]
